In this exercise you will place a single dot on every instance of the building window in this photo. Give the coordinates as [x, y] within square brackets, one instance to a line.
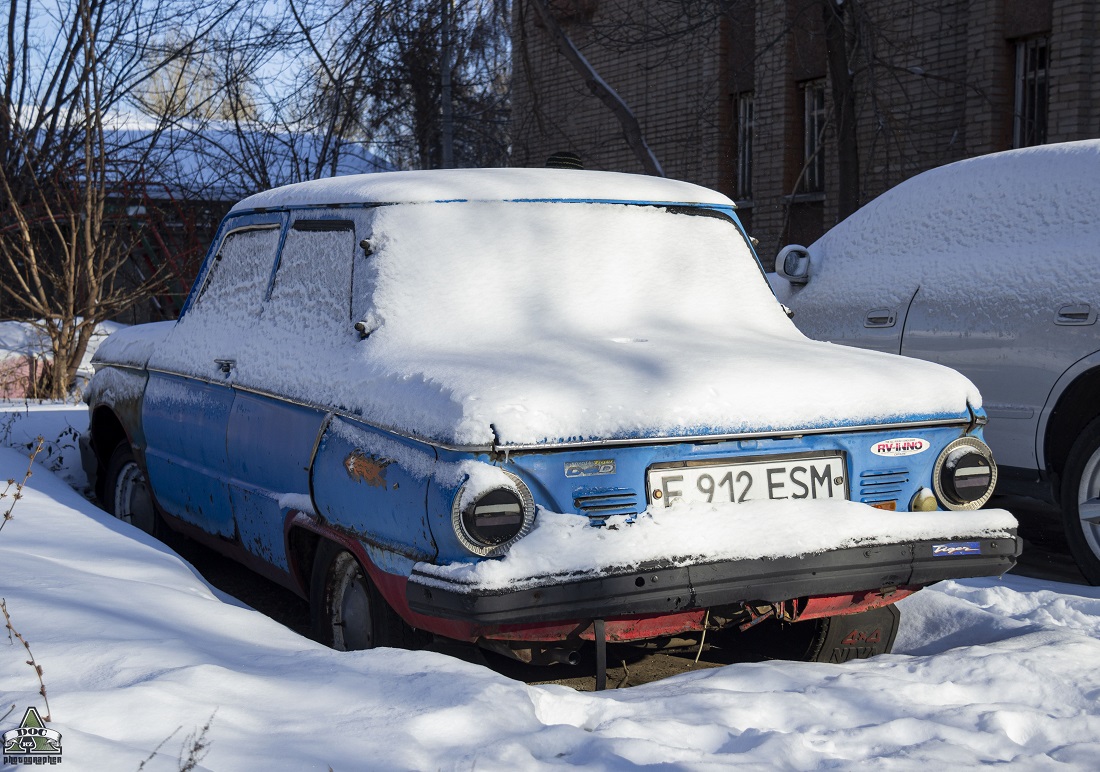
[1030, 116]
[813, 133]
[744, 146]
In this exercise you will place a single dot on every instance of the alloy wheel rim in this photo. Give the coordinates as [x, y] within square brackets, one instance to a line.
[1088, 502]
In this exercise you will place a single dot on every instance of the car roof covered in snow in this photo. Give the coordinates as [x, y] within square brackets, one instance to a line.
[1028, 201]
[1023, 221]
[484, 185]
[526, 324]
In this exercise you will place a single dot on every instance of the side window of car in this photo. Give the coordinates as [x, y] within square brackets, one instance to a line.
[214, 337]
[239, 275]
[312, 288]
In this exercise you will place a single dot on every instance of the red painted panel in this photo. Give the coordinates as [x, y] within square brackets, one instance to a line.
[839, 605]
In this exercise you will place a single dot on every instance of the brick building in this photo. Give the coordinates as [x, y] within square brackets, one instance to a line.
[738, 96]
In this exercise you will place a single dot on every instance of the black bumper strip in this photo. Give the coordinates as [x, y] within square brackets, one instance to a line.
[655, 589]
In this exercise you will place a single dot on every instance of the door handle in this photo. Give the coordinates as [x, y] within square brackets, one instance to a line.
[226, 365]
[881, 317]
[1075, 314]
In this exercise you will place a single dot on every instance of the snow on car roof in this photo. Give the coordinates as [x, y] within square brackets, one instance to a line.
[520, 323]
[483, 185]
[1000, 220]
[1036, 196]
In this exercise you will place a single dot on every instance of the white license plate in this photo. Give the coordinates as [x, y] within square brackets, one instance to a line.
[819, 477]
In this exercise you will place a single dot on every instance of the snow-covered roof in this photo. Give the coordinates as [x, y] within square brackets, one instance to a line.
[20, 340]
[221, 162]
[484, 185]
[1001, 219]
[1032, 197]
[521, 323]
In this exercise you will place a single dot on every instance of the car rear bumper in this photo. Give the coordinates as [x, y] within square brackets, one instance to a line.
[657, 589]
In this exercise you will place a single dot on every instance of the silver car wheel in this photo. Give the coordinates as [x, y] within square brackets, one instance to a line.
[1080, 498]
[1088, 502]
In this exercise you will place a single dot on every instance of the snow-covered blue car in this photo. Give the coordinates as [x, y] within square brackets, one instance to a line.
[527, 408]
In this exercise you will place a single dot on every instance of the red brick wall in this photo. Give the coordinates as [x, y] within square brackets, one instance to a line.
[1074, 72]
[672, 87]
[934, 85]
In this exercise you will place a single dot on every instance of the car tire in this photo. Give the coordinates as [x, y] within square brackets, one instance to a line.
[347, 611]
[834, 639]
[1081, 491]
[127, 494]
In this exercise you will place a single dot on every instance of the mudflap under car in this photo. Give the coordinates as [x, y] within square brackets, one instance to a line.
[856, 636]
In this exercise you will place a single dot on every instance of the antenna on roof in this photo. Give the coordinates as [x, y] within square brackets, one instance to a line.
[564, 159]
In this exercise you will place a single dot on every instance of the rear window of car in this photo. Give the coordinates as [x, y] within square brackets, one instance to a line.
[470, 271]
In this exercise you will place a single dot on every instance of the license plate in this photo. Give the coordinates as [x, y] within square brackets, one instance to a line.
[807, 477]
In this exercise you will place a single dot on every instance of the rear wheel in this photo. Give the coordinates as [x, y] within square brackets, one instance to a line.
[1081, 501]
[348, 613]
[126, 492]
[826, 639]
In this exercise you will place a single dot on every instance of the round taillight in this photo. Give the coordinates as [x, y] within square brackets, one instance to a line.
[494, 520]
[965, 474]
[496, 517]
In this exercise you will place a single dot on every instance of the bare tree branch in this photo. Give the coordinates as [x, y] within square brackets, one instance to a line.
[69, 168]
[632, 130]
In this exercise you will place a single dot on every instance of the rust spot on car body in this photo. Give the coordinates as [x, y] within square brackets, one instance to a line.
[368, 469]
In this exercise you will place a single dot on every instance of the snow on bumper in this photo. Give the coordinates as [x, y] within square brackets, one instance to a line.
[693, 556]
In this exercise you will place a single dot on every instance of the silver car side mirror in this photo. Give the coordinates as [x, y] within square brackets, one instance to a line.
[793, 264]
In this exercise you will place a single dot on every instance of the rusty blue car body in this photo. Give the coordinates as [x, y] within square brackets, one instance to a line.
[349, 511]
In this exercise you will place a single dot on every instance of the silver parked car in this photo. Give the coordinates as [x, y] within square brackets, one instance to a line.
[989, 266]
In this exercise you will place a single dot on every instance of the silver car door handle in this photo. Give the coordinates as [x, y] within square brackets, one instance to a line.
[881, 317]
[1076, 314]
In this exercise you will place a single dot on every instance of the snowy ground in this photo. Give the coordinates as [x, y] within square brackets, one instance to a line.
[138, 652]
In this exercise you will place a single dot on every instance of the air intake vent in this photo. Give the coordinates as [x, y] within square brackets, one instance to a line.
[601, 503]
[882, 485]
